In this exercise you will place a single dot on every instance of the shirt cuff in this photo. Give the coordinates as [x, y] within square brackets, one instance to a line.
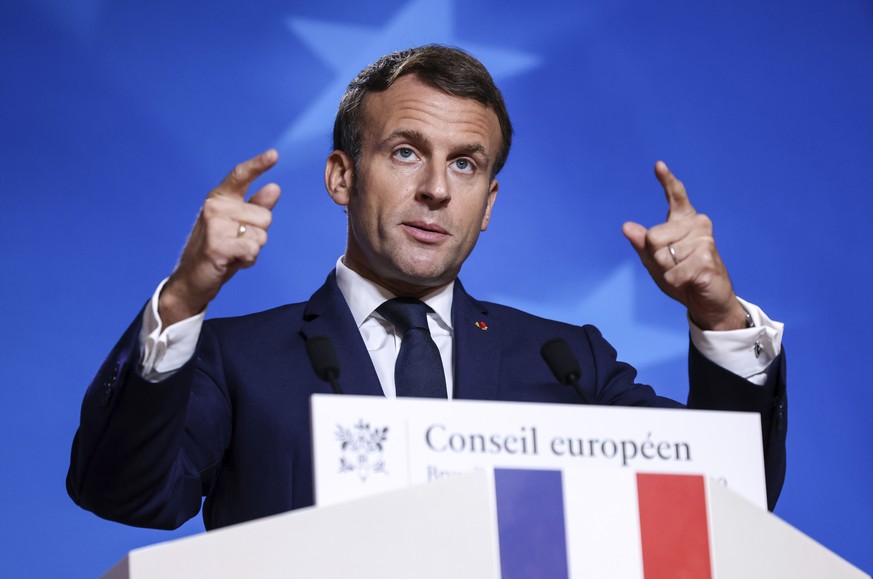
[164, 351]
[747, 352]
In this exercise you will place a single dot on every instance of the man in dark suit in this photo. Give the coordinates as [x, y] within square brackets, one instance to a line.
[184, 409]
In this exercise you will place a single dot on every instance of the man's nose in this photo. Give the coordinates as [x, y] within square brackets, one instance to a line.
[433, 188]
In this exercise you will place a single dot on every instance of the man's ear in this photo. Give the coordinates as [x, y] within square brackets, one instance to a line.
[492, 197]
[339, 177]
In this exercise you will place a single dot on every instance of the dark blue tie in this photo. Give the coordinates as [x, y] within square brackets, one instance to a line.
[419, 368]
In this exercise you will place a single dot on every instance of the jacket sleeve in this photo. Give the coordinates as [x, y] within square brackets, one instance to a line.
[711, 387]
[145, 453]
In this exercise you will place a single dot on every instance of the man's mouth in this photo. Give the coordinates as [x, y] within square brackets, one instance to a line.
[425, 232]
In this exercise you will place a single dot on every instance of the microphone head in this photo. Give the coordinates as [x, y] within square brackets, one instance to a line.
[323, 357]
[563, 364]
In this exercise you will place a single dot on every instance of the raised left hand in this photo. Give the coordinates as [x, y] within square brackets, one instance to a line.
[681, 257]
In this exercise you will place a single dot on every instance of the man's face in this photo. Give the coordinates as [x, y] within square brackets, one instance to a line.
[424, 187]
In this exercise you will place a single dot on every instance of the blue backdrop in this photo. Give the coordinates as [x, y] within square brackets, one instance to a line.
[118, 116]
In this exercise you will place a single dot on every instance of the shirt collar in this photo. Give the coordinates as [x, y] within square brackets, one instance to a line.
[364, 296]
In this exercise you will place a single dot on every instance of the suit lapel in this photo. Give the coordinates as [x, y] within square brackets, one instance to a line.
[327, 314]
[477, 348]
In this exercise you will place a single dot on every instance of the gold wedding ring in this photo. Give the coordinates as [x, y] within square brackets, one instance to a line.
[673, 253]
[242, 231]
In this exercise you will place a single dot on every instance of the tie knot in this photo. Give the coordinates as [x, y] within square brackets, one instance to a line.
[405, 313]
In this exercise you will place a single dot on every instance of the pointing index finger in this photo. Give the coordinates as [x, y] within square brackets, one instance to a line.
[674, 191]
[238, 181]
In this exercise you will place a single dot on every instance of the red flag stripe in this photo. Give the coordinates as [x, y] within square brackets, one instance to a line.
[673, 526]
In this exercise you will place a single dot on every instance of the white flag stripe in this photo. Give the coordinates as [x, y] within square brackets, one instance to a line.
[598, 529]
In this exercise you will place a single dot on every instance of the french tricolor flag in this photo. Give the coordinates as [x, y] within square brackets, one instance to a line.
[569, 524]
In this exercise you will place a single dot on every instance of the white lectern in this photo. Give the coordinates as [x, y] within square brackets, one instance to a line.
[507, 524]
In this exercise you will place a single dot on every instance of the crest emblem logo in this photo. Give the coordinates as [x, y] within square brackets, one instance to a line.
[361, 449]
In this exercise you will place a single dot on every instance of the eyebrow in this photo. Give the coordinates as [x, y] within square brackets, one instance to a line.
[472, 151]
[414, 136]
[406, 134]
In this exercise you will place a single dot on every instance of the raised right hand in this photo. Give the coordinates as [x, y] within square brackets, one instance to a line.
[218, 246]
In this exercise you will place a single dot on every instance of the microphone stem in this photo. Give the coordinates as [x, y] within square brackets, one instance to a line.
[581, 392]
[334, 383]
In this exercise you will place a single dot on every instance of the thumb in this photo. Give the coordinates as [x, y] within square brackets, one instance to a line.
[267, 196]
[636, 234]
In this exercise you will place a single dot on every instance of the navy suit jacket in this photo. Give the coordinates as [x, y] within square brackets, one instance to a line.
[233, 424]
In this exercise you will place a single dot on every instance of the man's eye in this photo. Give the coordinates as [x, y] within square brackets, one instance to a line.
[404, 153]
[464, 165]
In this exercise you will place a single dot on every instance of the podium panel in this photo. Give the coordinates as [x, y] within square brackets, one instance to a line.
[430, 531]
[510, 524]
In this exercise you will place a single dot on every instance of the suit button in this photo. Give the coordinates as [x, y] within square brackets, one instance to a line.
[780, 415]
[109, 386]
[107, 394]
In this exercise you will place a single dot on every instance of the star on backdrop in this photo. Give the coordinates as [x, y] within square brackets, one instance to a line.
[611, 307]
[347, 49]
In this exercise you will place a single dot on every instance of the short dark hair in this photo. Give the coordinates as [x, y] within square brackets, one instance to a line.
[445, 68]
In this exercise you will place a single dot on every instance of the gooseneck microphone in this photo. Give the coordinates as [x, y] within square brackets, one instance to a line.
[324, 361]
[564, 365]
